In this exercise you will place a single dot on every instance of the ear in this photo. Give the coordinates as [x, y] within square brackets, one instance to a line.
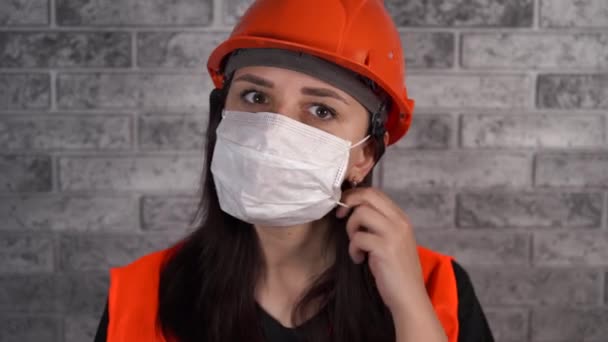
[366, 159]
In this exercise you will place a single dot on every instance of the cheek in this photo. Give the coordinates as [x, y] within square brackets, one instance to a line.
[352, 128]
[232, 102]
[354, 158]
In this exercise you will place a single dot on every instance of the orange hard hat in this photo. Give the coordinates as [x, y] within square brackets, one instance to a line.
[358, 35]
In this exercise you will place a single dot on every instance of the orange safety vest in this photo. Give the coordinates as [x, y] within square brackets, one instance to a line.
[133, 296]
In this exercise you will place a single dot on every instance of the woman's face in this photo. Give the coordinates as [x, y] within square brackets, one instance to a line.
[308, 100]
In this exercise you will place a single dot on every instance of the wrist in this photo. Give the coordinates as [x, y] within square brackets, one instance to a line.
[414, 300]
[418, 322]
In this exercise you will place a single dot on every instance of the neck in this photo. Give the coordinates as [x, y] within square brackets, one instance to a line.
[295, 249]
[293, 258]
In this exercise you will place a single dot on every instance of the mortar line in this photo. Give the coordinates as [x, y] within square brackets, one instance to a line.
[55, 186]
[136, 116]
[53, 93]
[220, 27]
[457, 50]
[603, 286]
[134, 55]
[536, 15]
[604, 222]
[52, 14]
[218, 10]
[534, 78]
[459, 119]
[529, 314]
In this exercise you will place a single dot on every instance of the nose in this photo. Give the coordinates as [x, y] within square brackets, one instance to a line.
[290, 110]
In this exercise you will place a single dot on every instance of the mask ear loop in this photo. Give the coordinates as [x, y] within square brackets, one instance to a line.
[342, 204]
[361, 142]
[353, 146]
[377, 131]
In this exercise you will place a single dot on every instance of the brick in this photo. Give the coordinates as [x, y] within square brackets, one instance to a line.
[475, 91]
[83, 91]
[455, 169]
[529, 210]
[172, 132]
[130, 173]
[102, 252]
[24, 91]
[508, 324]
[25, 173]
[474, 248]
[569, 324]
[27, 293]
[536, 286]
[532, 131]
[78, 328]
[28, 328]
[65, 132]
[64, 49]
[428, 49]
[462, 13]
[572, 169]
[425, 209]
[170, 214]
[24, 12]
[234, 10]
[69, 213]
[83, 293]
[535, 51]
[568, 13]
[428, 131]
[134, 13]
[25, 253]
[571, 248]
[176, 49]
[573, 91]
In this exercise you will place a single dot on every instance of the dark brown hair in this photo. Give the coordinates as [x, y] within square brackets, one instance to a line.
[207, 284]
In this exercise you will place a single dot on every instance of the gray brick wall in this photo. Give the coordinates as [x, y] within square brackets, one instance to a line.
[102, 119]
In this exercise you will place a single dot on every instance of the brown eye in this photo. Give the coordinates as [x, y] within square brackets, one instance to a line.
[322, 112]
[254, 97]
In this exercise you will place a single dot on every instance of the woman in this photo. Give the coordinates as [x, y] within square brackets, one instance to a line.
[292, 242]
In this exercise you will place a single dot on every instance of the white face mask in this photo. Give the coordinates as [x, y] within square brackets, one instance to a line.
[271, 170]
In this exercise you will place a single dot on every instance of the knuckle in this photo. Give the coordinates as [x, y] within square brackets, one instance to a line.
[376, 191]
[369, 191]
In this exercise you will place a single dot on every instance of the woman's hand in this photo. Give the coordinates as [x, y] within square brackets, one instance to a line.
[380, 229]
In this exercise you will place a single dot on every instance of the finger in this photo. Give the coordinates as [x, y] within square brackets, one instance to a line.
[341, 211]
[367, 218]
[374, 198]
[362, 243]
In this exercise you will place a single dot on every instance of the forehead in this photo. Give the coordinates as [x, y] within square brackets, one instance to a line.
[283, 78]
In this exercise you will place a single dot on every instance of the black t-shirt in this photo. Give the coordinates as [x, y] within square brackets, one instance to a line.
[473, 326]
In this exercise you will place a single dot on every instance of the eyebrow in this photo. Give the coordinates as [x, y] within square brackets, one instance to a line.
[322, 92]
[255, 80]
